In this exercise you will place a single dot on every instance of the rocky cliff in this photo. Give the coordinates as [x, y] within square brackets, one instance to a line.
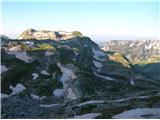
[44, 34]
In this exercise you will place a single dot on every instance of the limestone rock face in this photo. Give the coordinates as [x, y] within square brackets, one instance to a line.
[44, 34]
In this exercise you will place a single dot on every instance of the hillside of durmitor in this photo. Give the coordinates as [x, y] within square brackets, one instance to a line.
[144, 54]
[58, 74]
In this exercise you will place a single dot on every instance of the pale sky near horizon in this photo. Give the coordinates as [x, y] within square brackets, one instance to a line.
[97, 19]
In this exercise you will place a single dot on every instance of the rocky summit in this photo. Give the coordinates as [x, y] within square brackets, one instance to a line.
[47, 74]
[45, 34]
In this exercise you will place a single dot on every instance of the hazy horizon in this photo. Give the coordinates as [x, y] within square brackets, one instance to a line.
[99, 20]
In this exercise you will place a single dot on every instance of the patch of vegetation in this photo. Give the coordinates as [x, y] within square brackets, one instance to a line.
[87, 109]
[38, 47]
[150, 70]
[109, 112]
[65, 55]
[87, 82]
[77, 33]
[46, 47]
[120, 58]
[17, 73]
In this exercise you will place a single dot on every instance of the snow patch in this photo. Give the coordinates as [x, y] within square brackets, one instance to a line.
[44, 72]
[43, 97]
[51, 105]
[4, 95]
[85, 45]
[17, 89]
[98, 54]
[49, 53]
[65, 78]
[97, 64]
[76, 53]
[35, 76]
[20, 55]
[64, 33]
[67, 74]
[35, 96]
[132, 81]
[126, 99]
[140, 113]
[91, 102]
[67, 46]
[15, 48]
[3, 68]
[87, 116]
[104, 77]
[70, 94]
[58, 92]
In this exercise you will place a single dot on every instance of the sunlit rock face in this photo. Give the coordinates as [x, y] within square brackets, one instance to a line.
[44, 34]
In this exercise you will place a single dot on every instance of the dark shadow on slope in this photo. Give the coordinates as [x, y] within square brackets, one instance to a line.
[151, 70]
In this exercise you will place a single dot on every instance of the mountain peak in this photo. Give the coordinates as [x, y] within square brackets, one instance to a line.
[31, 30]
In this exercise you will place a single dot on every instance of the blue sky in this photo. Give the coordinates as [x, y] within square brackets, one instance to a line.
[98, 19]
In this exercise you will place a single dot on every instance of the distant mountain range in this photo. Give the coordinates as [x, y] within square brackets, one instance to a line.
[135, 49]
[144, 54]
[46, 74]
